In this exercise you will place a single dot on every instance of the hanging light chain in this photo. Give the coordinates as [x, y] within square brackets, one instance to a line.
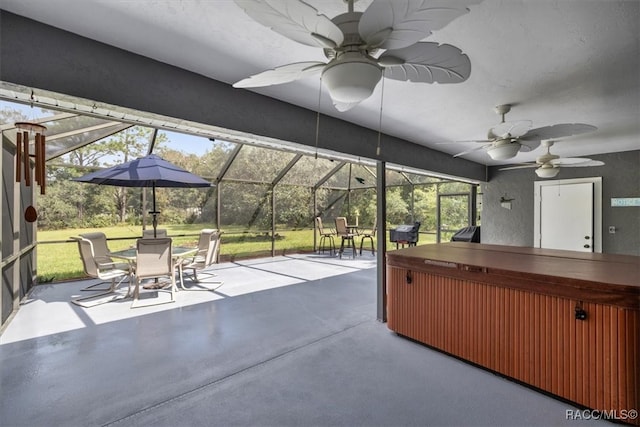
[380, 118]
[318, 117]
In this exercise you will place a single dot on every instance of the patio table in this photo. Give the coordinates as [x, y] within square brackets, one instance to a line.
[176, 252]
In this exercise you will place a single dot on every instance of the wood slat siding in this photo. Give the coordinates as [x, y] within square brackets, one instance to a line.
[531, 337]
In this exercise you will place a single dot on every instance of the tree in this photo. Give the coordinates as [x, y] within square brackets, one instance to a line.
[118, 148]
[397, 207]
[294, 205]
[9, 115]
[424, 207]
[129, 144]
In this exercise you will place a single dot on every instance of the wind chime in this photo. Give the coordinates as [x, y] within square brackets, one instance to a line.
[25, 132]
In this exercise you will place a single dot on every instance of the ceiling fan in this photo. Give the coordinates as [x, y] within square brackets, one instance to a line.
[352, 43]
[548, 165]
[506, 139]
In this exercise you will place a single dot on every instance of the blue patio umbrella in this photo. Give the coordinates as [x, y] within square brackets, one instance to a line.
[149, 171]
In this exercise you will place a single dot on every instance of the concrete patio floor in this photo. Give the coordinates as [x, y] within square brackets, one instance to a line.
[285, 341]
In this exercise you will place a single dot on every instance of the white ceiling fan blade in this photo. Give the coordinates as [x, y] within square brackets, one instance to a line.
[401, 23]
[284, 74]
[526, 146]
[295, 20]
[514, 129]
[575, 162]
[478, 141]
[591, 163]
[472, 150]
[523, 166]
[427, 63]
[557, 131]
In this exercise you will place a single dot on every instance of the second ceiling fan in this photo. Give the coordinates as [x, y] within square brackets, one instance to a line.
[507, 139]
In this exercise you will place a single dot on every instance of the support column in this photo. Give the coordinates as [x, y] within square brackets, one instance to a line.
[218, 201]
[273, 220]
[315, 214]
[381, 202]
[473, 201]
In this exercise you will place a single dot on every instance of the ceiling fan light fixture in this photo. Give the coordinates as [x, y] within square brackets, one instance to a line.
[351, 78]
[504, 151]
[547, 172]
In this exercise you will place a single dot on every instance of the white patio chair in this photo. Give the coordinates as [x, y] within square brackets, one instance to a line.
[100, 251]
[207, 255]
[102, 268]
[154, 261]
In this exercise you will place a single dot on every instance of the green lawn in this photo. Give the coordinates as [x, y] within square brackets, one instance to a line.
[61, 261]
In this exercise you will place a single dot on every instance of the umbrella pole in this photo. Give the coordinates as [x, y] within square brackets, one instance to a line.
[154, 213]
[143, 203]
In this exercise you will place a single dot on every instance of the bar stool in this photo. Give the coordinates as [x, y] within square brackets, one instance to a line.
[343, 232]
[324, 236]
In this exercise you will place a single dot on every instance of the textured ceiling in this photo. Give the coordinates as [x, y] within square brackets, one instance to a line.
[555, 61]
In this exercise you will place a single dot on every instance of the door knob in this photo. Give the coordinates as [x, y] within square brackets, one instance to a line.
[587, 246]
[587, 237]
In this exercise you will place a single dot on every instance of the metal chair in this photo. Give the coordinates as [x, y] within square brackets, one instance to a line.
[207, 255]
[101, 254]
[154, 261]
[100, 267]
[324, 235]
[369, 234]
[343, 232]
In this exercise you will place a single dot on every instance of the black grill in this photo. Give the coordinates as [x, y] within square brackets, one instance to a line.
[405, 234]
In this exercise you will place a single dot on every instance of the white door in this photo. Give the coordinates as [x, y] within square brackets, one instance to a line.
[566, 217]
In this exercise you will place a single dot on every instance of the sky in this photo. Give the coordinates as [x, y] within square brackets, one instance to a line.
[176, 141]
